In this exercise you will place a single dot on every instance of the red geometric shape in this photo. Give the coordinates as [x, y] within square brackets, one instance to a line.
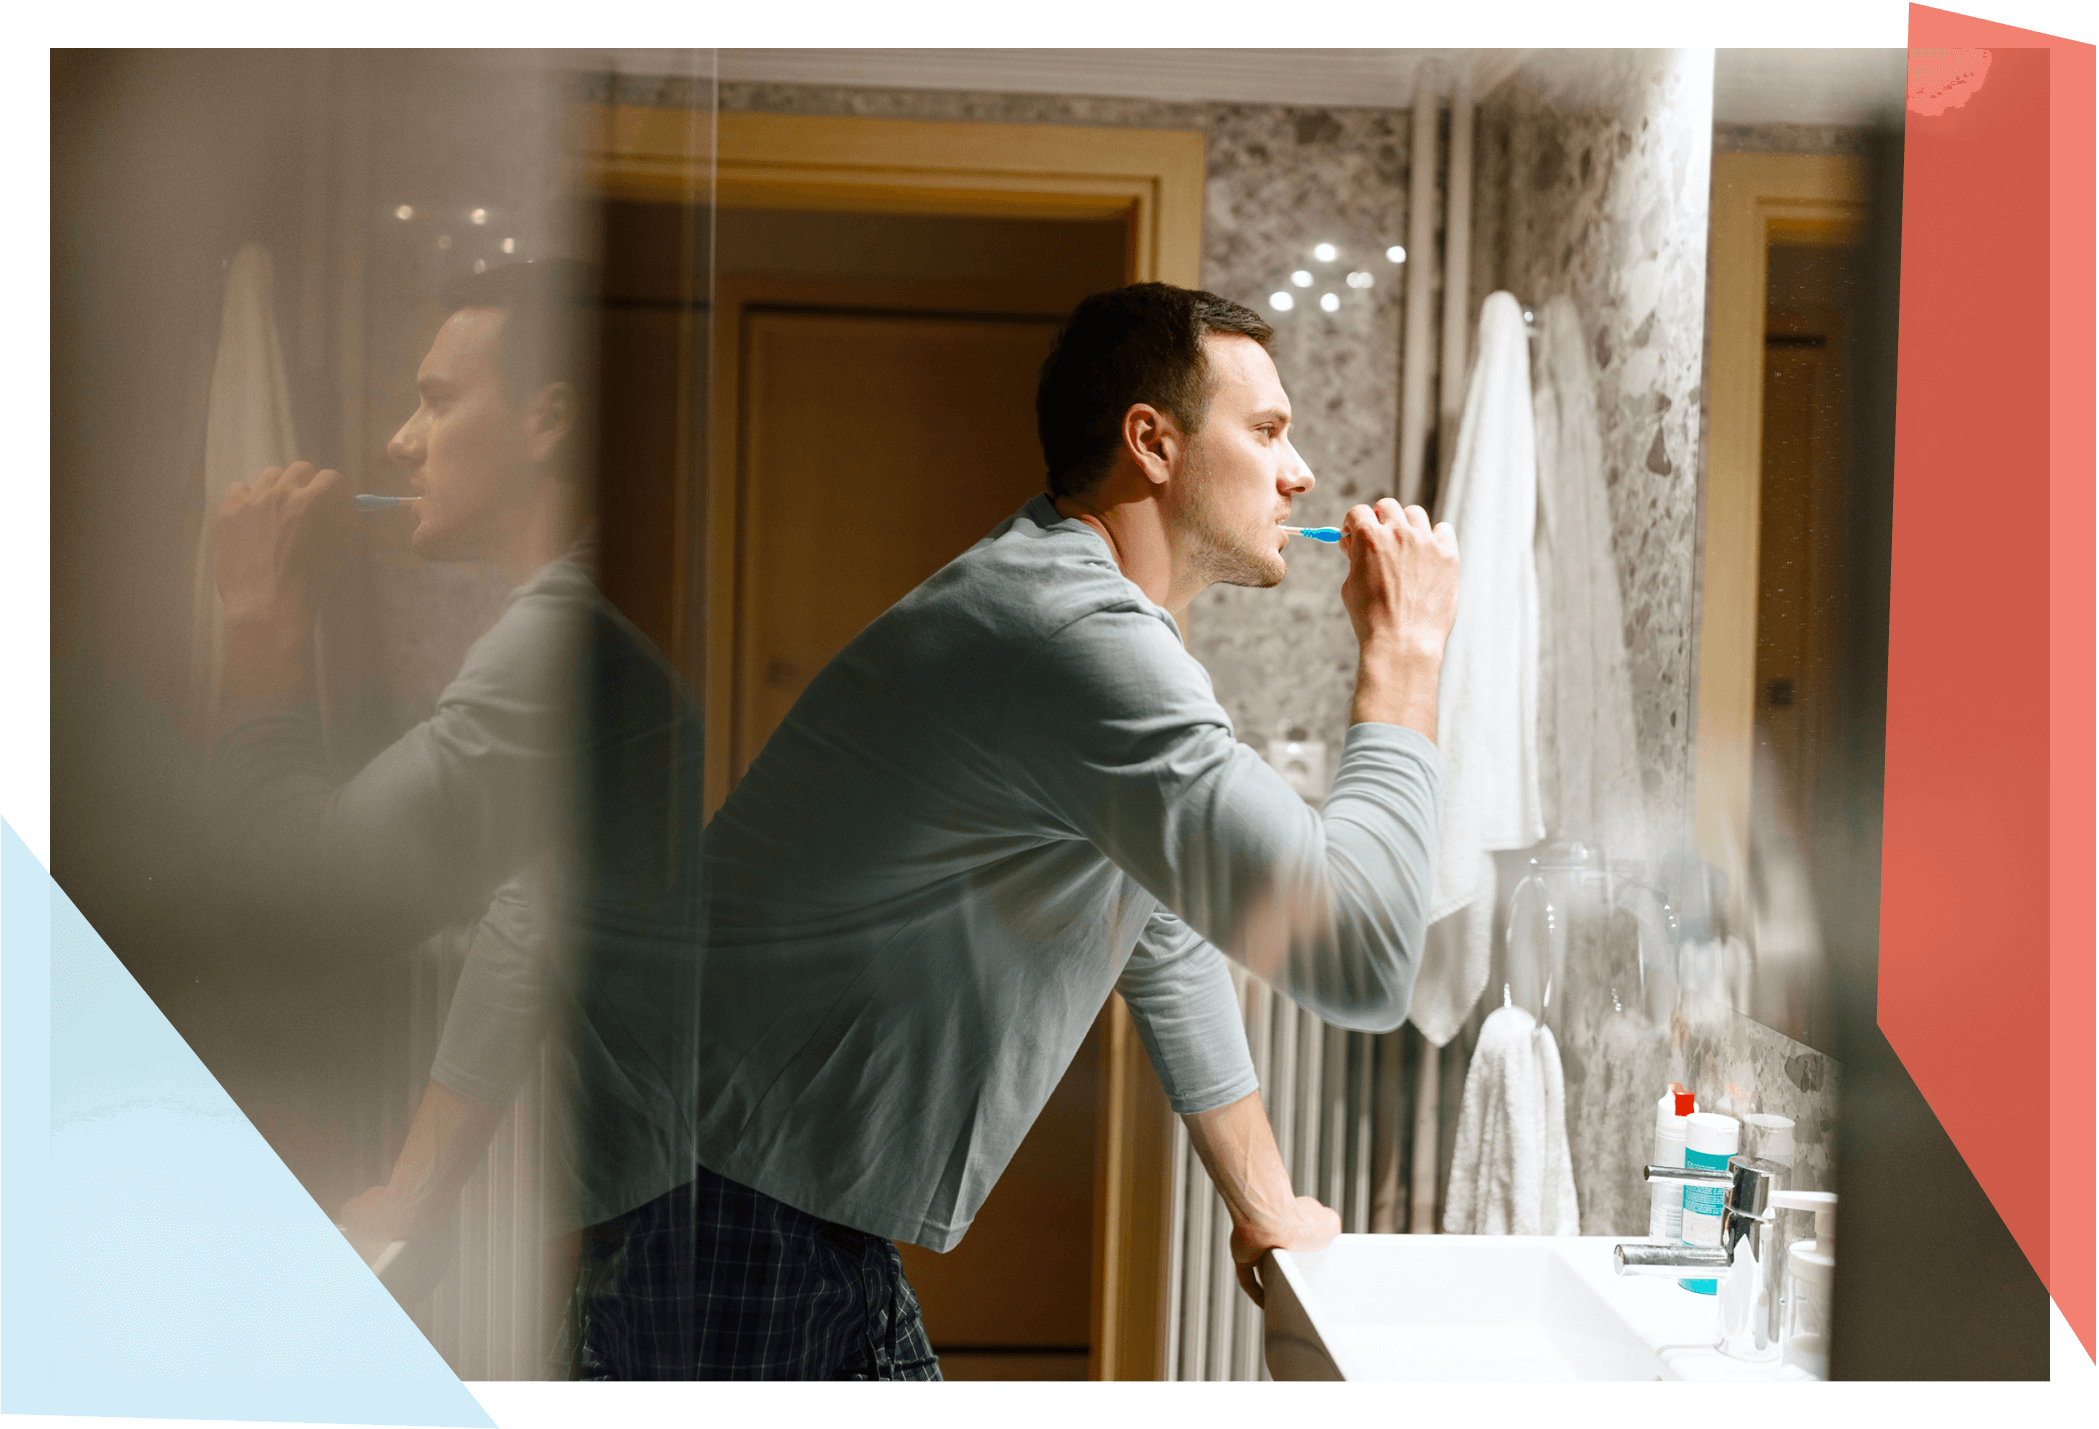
[1986, 965]
[1940, 80]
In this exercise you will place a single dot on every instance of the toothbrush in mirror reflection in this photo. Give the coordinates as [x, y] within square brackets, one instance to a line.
[1331, 535]
[382, 503]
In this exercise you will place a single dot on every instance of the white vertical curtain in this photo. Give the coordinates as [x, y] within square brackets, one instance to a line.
[247, 428]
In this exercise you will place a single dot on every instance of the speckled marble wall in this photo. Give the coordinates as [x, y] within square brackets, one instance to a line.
[1594, 181]
[1280, 180]
[1598, 169]
[1617, 1060]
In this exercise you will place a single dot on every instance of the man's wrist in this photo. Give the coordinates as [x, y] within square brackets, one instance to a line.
[1400, 657]
[265, 656]
[1396, 684]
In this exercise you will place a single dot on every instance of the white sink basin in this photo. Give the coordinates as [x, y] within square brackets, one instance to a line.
[1407, 1307]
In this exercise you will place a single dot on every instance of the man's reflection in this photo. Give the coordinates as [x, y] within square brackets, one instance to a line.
[552, 797]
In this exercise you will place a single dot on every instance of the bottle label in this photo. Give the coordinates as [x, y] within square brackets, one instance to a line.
[1704, 1213]
[1665, 1217]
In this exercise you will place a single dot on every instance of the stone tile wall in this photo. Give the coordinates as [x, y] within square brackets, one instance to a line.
[1594, 181]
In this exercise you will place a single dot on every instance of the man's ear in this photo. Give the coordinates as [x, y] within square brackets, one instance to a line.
[550, 418]
[1153, 440]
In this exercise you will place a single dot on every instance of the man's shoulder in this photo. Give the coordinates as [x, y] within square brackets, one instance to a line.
[1034, 574]
[536, 647]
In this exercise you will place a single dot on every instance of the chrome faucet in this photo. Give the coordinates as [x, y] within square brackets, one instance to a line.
[1746, 1261]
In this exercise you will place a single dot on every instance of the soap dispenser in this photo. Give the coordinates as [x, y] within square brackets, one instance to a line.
[1810, 1281]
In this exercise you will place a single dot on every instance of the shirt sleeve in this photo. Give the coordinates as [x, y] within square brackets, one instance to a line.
[424, 834]
[1181, 996]
[1115, 732]
[498, 1014]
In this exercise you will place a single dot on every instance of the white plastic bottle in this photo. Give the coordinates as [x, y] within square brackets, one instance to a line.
[1811, 1274]
[1710, 1140]
[1665, 1214]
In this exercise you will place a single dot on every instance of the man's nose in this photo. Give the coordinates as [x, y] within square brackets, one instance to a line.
[403, 449]
[1297, 476]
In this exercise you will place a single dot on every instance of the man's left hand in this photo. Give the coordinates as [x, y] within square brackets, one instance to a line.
[1308, 1225]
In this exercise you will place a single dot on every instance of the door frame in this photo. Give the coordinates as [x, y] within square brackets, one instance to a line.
[1152, 177]
[1808, 199]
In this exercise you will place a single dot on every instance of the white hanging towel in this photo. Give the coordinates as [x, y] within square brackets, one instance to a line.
[1487, 700]
[1510, 1172]
[1589, 768]
[248, 428]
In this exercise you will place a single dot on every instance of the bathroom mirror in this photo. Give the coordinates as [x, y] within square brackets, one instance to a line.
[1793, 571]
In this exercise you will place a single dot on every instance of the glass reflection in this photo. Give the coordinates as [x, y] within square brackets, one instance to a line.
[390, 808]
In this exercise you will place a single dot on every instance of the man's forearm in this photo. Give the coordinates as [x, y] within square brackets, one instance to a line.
[1238, 1149]
[1397, 686]
[446, 1140]
[264, 658]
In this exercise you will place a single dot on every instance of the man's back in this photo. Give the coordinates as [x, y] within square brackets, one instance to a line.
[887, 904]
[998, 803]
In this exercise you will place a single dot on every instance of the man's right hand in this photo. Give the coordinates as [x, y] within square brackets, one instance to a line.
[272, 547]
[270, 544]
[1401, 595]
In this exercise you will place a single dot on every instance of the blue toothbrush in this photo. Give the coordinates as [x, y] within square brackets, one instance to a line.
[381, 503]
[1331, 535]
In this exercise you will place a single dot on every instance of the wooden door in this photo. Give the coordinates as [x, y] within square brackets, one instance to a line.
[1801, 524]
[878, 445]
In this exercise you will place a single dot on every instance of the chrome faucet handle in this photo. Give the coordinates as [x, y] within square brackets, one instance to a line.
[1749, 1182]
[1754, 1181]
[1679, 1262]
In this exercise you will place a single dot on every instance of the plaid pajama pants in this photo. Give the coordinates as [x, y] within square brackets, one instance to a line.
[717, 1281]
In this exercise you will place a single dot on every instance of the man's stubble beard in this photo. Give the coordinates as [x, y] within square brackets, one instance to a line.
[1225, 557]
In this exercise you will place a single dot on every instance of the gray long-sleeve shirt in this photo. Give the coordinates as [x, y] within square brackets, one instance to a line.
[553, 798]
[1010, 794]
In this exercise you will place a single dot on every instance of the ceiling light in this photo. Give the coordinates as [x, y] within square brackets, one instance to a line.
[1396, 253]
[1301, 278]
[510, 245]
[404, 213]
[1331, 302]
[1281, 301]
[1324, 252]
[444, 240]
[479, 215]
[1359, 280]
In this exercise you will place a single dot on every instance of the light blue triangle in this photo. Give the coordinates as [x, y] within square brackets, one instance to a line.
[159, 1260]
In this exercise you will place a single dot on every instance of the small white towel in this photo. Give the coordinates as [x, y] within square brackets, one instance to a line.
[248, 428]
[1589, 767]
[1510, 1173]
[1487, 698]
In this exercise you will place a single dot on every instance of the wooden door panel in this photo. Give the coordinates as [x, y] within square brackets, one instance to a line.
[877, 447]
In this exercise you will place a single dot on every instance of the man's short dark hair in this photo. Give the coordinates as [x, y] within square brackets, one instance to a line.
[550, 324]
[1142, 343]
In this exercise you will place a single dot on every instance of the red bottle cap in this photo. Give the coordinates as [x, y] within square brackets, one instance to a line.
[1686, 1103]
